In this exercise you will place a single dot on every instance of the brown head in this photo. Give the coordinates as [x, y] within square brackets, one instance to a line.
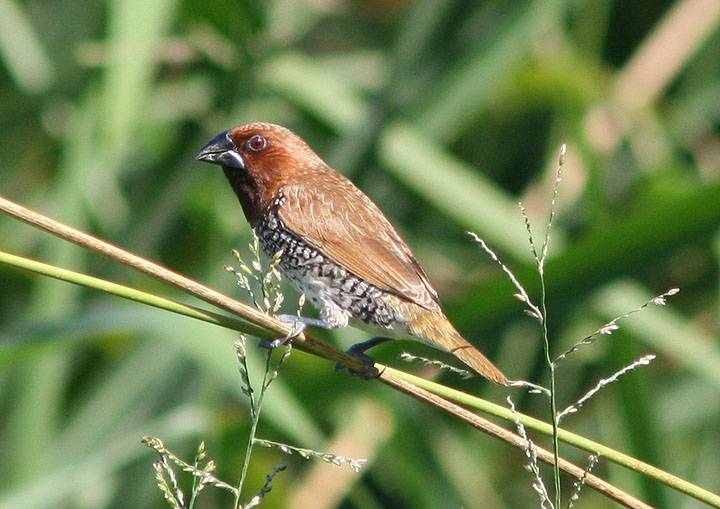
[258, 159]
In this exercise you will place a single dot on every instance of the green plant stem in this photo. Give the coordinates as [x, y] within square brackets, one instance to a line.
[514, 439]
[553, 411]
[553, 397]
[248, 451]
[257, 406]
[441, 390]
[268, 327]
[592, 447]
[448, 393]
[136, 295]
[132, 294]
[386, 377]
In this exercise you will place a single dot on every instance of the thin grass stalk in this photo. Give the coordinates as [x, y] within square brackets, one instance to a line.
[254, 425]
[401, 381]
[248, 452]
[543, 303]
[391, 377]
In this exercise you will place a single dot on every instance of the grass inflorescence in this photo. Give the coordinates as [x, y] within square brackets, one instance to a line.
[539, 313]
[262, 284]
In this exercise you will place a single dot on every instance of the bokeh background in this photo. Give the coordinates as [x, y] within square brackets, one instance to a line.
[447, 113]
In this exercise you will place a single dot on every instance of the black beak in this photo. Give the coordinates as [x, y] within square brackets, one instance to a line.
[221, 150]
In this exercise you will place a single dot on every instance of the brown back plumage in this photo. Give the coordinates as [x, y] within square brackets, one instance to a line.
[331, 214]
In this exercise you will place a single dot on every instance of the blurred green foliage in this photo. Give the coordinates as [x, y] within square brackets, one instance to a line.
[446, 113]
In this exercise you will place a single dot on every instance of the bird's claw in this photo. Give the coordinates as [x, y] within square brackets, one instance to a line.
[272, 345]
[369, 371]
[297, 322]
[298, 328]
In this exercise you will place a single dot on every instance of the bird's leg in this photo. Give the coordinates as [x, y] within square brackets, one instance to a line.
[358, 350]
[303, 322]
[299, 323]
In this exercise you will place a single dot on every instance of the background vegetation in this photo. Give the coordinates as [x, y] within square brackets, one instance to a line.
[446, 113]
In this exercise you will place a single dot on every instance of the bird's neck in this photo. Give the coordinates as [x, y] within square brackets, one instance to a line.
[248, 192]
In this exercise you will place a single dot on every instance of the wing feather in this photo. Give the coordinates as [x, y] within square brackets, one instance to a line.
[340, 221]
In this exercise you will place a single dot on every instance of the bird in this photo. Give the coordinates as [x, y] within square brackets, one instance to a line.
[337, 247]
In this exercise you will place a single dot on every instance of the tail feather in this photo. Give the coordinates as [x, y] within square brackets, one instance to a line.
[436, 330]
[479, 363]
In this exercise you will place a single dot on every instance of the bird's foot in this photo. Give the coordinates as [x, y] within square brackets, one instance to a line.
[298, 328]
[275, 343]
[358, 350]
[299, 323]
[305, 322]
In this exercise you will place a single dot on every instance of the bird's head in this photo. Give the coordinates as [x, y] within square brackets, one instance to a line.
[258, 159]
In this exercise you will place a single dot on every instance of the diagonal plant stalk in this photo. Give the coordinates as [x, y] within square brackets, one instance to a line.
[133, 294]
[267, 327]
[462, 398]
[270, 327]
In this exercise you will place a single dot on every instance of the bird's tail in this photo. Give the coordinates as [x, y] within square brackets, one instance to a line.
[439, 332]
[478, 362]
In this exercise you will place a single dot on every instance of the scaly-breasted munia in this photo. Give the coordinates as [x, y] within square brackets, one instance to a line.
[338, 247]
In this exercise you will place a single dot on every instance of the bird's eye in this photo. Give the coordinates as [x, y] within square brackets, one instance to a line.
[257, 143]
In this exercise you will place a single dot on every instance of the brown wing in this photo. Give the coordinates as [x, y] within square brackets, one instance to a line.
[339, 220]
